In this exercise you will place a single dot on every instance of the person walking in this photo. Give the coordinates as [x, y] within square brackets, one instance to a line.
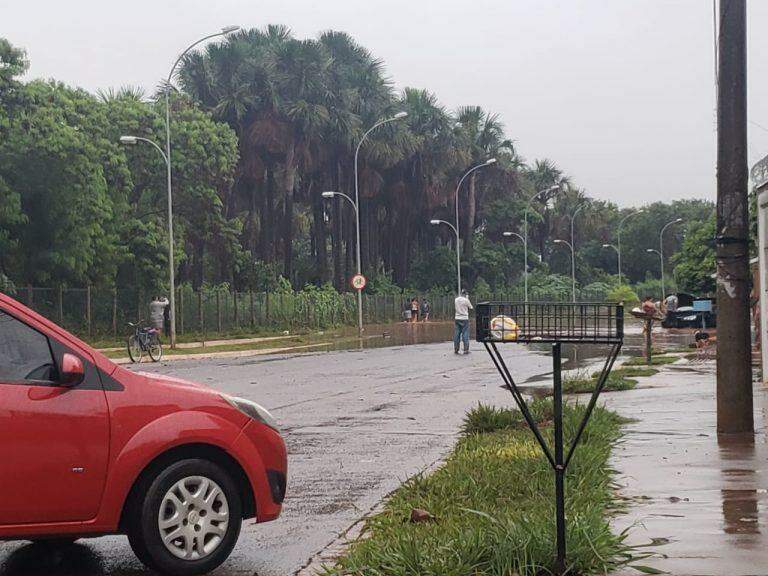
[425, 310]
[462, 306]
[157, 312]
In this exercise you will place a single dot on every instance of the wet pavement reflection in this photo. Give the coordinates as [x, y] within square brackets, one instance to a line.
[702, 495]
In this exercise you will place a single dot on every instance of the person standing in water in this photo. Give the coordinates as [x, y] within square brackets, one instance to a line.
[462, 305]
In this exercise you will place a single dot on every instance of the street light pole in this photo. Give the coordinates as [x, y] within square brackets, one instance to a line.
[573, 240]
[661, 252]
[621, 223]
[573, 267]
[331, 194]
[617, 253]
[168, 86]
[661, 262]
[458, 188]
[456, 232]
[397, 116]
[554, 188]
[515, 234]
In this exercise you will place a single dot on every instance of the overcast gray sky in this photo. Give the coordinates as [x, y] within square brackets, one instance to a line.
[619, 93]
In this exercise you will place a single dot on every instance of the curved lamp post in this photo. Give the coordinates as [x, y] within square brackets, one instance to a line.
[515, 234]
[661, 262]
[618, 236]
[172, 315]
[458, 187]
[615, 250]
[661, 253]
[397, 116]
[458, 265]
[329, 195]
[554, 188]
[573, 267]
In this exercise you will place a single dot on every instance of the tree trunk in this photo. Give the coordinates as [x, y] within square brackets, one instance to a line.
[469, 229]
[321, 251]
[336, 237]
[288, 184]
[198, 266]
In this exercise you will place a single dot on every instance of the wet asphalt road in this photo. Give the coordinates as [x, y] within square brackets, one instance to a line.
[357, 423]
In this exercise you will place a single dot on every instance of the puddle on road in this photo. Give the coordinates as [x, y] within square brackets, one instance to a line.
[405, 334]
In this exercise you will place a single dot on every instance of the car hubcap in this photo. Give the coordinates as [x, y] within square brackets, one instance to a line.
[193, 518]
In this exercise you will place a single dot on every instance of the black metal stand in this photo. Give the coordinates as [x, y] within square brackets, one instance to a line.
[559, 461]
[557, 402]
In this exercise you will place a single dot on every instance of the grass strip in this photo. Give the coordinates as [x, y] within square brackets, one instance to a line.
[168, 351]
[655, 360]
[631, 371]
[614, 383]
[491, 505]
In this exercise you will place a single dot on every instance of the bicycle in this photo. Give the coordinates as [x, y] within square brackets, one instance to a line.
[144, 340]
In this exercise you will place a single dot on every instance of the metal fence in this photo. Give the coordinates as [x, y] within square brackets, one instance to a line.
[101, 313]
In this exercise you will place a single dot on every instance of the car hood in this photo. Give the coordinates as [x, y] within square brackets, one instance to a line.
[172, 381]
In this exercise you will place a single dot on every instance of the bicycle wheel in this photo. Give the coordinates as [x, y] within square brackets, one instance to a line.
[134, 348]
[155, 348]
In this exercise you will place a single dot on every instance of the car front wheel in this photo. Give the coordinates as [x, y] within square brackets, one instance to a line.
[188, 519]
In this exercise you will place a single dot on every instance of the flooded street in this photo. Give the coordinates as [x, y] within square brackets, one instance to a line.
[359, 422]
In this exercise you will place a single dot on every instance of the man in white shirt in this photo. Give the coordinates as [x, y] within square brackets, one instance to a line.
[462, 306]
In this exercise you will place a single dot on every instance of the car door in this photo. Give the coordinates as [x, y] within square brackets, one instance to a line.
[54, 440]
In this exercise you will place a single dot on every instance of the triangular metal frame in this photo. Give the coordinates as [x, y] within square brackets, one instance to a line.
[555, 456]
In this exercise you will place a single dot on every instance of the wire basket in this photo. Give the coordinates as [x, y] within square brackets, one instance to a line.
[592, 323]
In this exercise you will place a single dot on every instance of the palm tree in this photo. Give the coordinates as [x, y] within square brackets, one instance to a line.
[483, 135]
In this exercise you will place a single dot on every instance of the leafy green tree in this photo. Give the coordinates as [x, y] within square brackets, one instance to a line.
[695, 263]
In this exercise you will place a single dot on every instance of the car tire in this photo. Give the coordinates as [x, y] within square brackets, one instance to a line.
[185, 519]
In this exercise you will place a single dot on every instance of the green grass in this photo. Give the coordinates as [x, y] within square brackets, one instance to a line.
[655, 360]
[109, 342]
[484, 418]
[579, 384]
[493, 507]
[631, 371]
[286, 342]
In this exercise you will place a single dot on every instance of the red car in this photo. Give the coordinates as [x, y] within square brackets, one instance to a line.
[88, 448]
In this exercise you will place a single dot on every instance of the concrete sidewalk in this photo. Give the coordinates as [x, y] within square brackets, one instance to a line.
[703, 498]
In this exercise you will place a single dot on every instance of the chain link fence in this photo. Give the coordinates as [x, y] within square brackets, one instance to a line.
[103, 313]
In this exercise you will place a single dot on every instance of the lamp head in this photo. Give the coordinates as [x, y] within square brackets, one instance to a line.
[506, 233]
[401, 114]
[650, 250]
[230, 29]
[490, 161]
[328, 194]
[434, 222]
[679, 220]
[559, 241]
[606, 245]
[128, 140]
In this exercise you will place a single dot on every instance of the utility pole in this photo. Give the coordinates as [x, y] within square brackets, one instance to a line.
[734, 356]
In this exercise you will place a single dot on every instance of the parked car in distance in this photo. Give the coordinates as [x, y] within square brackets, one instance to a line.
[89, 448]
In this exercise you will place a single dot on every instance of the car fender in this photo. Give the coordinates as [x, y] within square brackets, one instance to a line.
[159, 436]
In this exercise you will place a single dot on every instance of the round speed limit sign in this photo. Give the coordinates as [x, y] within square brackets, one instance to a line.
[358, 281]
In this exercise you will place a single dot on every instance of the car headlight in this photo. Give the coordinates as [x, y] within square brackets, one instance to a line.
[253, 410]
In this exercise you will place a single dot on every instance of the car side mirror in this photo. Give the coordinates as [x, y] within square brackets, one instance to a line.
[72, 371]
